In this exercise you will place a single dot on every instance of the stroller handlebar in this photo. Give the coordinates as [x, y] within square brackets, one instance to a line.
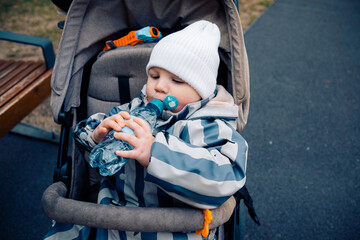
[135, 219]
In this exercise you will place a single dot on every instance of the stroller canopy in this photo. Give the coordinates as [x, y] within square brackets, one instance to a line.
[90, 23]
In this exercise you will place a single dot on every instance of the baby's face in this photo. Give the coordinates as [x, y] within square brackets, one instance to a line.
[161, 83]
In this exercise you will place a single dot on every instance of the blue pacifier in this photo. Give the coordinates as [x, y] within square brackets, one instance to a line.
[171, 102]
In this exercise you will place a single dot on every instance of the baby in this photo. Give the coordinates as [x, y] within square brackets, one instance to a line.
[194, 155]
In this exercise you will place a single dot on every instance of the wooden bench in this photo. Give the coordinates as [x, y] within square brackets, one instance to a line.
[23, 84]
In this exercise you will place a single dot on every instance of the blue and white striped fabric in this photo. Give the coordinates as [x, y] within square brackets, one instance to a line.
[199, 174]
[198, 159]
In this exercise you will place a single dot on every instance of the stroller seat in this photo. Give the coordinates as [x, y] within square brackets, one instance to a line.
[88, 81]
[117, 76]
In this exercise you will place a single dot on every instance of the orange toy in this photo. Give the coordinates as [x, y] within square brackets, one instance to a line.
[144, 35]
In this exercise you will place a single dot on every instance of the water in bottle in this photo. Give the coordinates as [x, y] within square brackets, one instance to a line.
[103, 155]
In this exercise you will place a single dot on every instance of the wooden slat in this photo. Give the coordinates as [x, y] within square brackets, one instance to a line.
[17, 75]
[24, 103]
[4, 98]
[14, 72]
[5, 63]
[9, 69]
[23, 86]
[5, 79]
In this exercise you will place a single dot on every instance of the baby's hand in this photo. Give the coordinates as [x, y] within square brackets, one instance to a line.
[142, 142]
[115, 122]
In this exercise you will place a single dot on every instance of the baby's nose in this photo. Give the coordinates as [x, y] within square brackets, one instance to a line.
[162, 86]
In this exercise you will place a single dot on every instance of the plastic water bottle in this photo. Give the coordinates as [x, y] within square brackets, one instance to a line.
[103, 155]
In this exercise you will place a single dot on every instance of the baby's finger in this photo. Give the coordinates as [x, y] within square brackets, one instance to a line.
[132, 140]
[126, 154]
[141, 122]
[99, 134]
[112, 123]
[138, 130]
[119, 119]
[124, 115]
[103, 131]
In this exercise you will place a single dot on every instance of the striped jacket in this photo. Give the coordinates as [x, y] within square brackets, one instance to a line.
[198, 158]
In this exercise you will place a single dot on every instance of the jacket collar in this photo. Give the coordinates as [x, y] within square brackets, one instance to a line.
[204, 108]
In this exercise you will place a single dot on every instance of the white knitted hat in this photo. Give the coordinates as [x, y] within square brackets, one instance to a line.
[191, 54]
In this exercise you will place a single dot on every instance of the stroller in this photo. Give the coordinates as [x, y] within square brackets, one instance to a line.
[76, 94]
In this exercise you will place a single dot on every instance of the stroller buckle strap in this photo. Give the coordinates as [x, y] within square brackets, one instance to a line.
[110, 44]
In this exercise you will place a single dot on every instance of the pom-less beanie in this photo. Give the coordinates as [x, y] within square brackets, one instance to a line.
[191, 54]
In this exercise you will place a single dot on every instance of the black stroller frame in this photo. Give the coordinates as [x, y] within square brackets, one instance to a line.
[71, 102]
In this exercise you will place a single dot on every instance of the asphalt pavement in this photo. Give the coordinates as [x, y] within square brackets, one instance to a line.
[304, 124]
[303, 131]
[27, 168]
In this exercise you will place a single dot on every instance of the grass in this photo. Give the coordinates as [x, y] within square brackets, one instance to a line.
[40, 18]
[34, 17]
[250, 10]
[266, 3]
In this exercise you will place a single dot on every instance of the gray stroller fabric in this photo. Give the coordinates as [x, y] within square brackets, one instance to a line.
[90, 23]
[106, 77]
[61, 209]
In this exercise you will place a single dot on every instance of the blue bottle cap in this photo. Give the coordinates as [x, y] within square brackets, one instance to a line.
[157, 105]
[171, 102]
